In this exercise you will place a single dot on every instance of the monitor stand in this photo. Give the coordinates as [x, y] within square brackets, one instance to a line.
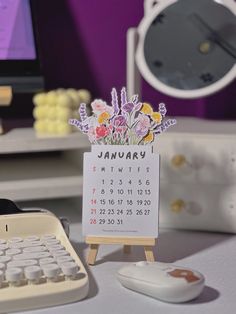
[5, 100]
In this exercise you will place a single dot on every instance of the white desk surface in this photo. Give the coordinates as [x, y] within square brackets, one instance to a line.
[213, 254]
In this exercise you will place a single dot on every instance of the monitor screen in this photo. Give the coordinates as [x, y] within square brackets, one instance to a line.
[16, 31]
[20, 64]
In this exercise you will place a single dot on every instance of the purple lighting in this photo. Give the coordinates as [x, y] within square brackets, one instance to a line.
[16, 32]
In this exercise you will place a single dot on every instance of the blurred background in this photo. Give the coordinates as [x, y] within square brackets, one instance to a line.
[83, 45]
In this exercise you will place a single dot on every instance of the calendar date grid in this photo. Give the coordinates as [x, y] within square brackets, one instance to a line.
[104, 207]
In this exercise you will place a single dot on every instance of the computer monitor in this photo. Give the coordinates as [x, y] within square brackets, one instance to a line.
[20, 66]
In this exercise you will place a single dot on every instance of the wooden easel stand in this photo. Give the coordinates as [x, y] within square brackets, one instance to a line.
[94, 242]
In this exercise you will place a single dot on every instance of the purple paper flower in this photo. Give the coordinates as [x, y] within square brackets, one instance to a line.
[79, 125]
[82, 112]
[114, 101]
[123, 96]
[138, 106]
[165, 126]
[162, 109]
[128, 107]
[141, 132]
[76, 123]
[119, 121]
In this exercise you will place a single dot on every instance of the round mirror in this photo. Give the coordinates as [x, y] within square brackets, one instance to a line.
[187, 48]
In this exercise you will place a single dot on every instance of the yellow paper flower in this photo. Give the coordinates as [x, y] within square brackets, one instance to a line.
[103, 117]
[149, 137]
[147, 109]
[156, 117]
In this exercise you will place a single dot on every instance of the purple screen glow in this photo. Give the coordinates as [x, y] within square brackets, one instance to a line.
[16, 32]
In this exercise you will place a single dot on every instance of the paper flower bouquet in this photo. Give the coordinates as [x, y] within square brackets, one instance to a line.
[128, 122]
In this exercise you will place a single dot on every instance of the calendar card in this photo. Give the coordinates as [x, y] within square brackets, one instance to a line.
[121, 191]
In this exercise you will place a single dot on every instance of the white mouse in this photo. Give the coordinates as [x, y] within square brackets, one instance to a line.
[163, 281]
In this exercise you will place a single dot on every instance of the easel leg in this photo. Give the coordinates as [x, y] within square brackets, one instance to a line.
[93, 251]
[149, 253]
[127, 249]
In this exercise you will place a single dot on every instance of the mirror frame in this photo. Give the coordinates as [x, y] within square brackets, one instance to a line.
[153, 80]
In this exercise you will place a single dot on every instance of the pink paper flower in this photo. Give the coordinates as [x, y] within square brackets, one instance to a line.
[121, 129]
[144, 121]
[101, 131]
[98, 106]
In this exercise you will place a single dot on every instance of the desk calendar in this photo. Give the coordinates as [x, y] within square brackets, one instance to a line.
[121, 191]
[121, 174]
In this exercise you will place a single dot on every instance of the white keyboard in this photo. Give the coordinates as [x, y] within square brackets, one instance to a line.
[38, 265]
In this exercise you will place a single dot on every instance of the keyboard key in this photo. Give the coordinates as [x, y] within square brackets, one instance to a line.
[15, 240]
[32, 238]
[35, 249]
[12, 252]
[1, 253]
[70, 269]
[21, 245]
[56, 247]
[22, 264]
[51, 271]
[42, 255]
[63, 259]
[14, 276]
[51, 242]
[60, 253]
[3, 247]
[48, 260]
[33, 243]
[18, 245]
[36, 255]
[2, 241]
[5, 259]
[33, 273]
